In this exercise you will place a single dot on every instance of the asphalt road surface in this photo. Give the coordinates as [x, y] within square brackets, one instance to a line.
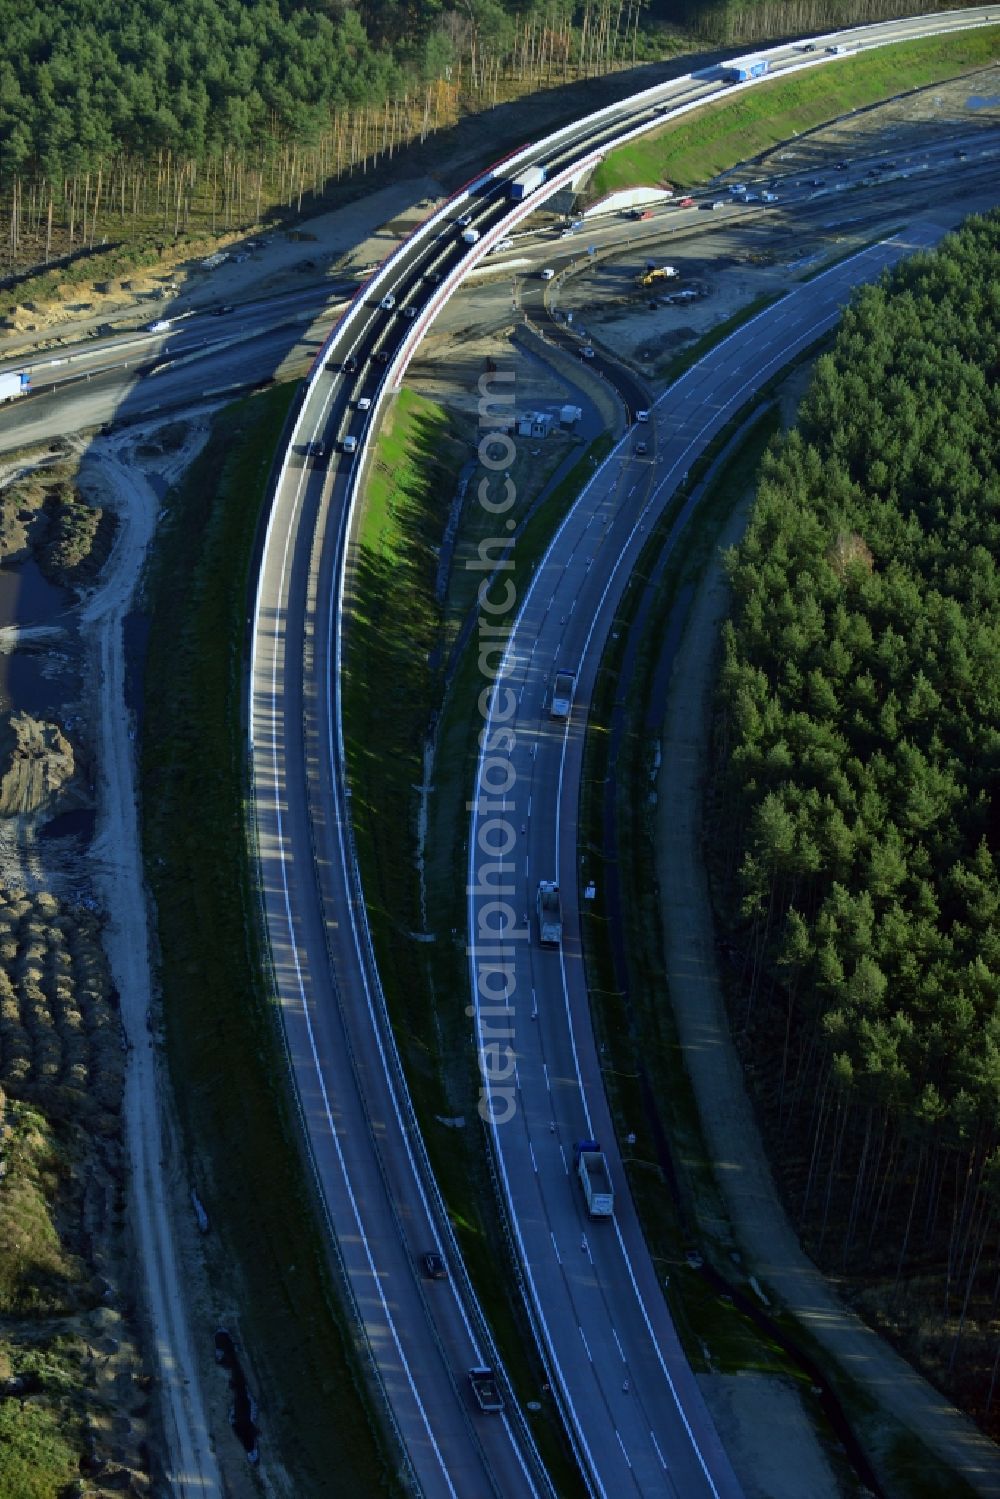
[630, 1401]
[614, 1350]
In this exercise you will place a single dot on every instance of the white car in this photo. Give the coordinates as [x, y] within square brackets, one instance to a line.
[504, 244]
[547, 274]
[769, 197]
[464, 221]
[642, 416]
[161, 325]
[365, 403]
[387, 303]
[586, 352]
[350, 444]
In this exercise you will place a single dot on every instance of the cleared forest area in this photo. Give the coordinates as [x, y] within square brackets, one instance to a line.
[129, 127]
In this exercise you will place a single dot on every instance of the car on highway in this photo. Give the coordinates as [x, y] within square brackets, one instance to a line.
[350, 444]
[547, 274]
[464, 221]
[364, 403]
[161, 325]
[350, 365]
[641, 447]
[686, 203]
[410, 312]
[434, 277]
[433, 1266]
[316, 450]
[718, 204]
[381, 356]
[388, 302]
[586, 352]
[767, 197]
[504, 244]
[642, 416]
[221, 311]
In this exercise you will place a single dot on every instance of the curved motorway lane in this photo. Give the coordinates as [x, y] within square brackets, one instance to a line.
[612, 1346]
[631, 1404]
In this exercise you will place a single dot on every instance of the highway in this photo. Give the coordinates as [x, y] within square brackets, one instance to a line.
[594, 1282]
[630, 1402]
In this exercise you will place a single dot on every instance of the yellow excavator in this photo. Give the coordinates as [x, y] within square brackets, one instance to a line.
[654, 273]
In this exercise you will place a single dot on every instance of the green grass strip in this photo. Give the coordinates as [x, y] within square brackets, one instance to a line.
[267, 1254]
[393, 687]
[710, 140]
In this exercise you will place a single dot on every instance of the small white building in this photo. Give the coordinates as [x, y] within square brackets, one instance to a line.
[535, 424]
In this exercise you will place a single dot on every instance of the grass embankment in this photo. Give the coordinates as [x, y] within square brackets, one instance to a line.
[708, 141]
[393, 691]
[267, 1256]
[645, 1060]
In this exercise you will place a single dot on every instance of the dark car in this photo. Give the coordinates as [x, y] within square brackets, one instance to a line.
[434, 277]
[434, 1266]
[382, 356]
[316, 449]
[221, 311]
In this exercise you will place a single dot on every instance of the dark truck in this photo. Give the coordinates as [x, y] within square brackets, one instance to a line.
[486, 1390]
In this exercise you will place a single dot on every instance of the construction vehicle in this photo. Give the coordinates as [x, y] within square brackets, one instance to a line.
[592, 1169]
[485, 1389]
[654, 273]
[549, 909]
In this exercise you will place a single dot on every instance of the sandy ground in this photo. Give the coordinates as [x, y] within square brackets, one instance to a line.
[751, 1409]
[344, 242]
[116, 864]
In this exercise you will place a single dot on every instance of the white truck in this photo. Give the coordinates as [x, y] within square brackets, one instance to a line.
[562, 695]
[549, 911]
[592, 1169]
[526, 183]
[14, 385]
[485, 1389]
[470, 236]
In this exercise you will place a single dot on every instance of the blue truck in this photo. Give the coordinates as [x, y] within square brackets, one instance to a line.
[745, 69]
